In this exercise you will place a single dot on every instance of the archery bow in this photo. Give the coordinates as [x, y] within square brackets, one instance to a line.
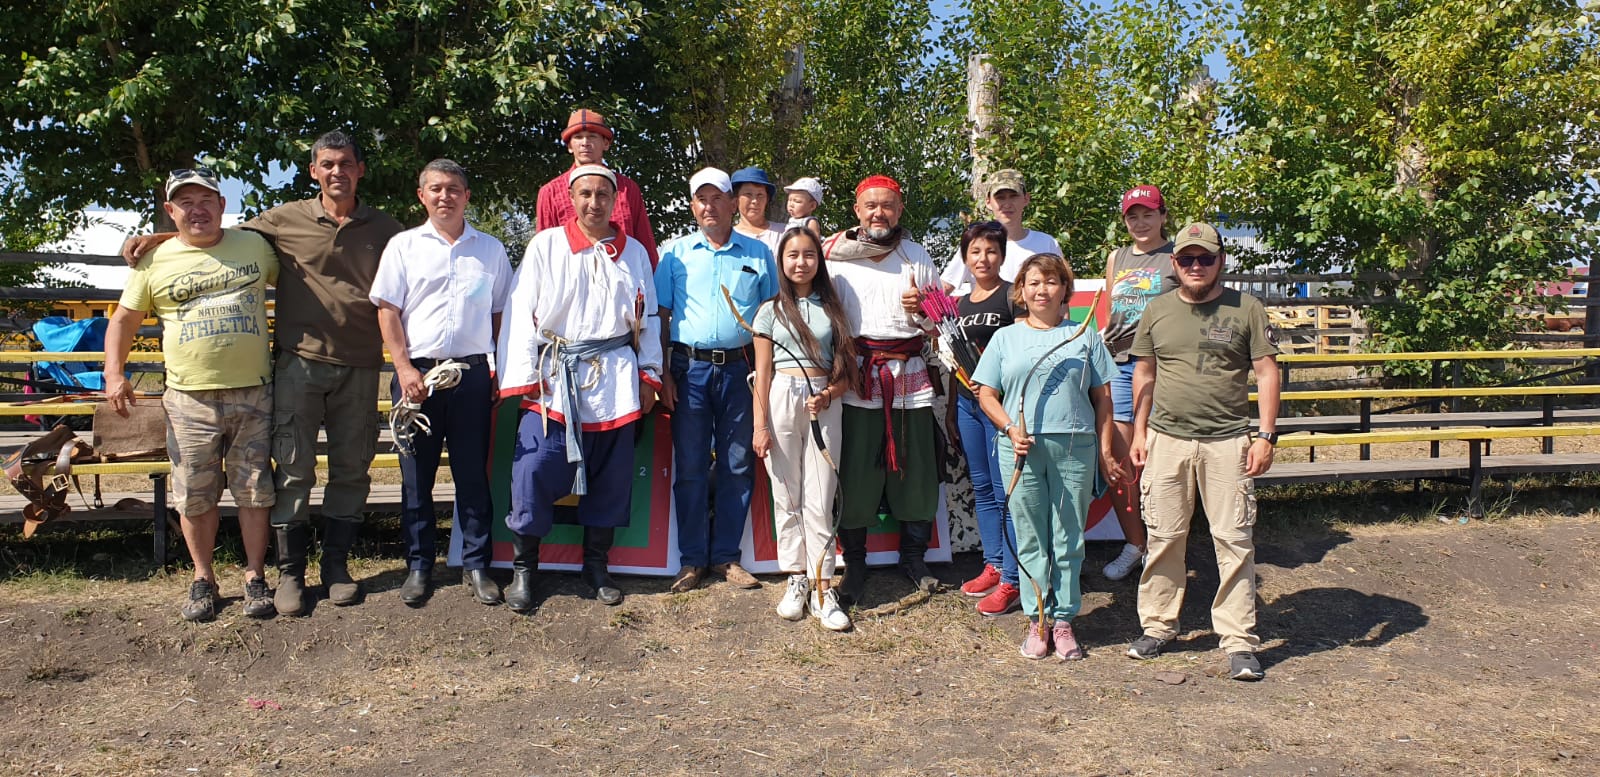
[1022, 425]
[816, 426]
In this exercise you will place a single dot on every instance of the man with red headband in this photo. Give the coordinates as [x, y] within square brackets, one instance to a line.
[588, 138]
[889, 449]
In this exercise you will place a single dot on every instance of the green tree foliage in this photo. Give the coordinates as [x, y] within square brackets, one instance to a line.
[1096, 98]
[111, 95]
[1454, 139]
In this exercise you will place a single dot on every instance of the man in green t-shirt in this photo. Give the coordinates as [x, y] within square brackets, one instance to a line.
[1196, 349]
[209, 288]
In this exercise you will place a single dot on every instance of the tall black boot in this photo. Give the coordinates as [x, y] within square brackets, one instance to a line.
[519, 595]
[338, 536]
[914, 538]
[596, 546]
[293, 542]
[854, 584]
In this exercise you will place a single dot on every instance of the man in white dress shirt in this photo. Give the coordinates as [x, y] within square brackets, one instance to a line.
[439, 290]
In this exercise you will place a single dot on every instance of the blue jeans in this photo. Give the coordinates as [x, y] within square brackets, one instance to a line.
[988, 488]
[1122, 392]
[460, 418]
[712, 413]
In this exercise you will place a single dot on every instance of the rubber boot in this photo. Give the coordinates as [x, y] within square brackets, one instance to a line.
[914, 538]
[596, 547]
[338, 536]
[293, 542]
[525, 562]
[854, 584]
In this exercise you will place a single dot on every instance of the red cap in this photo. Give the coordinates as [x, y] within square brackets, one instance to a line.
[1148, 196]
[878, 182]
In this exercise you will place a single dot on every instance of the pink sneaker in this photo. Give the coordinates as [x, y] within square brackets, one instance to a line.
[1067, 648]
[1005, 598]
[1035, 645]
[983, 583]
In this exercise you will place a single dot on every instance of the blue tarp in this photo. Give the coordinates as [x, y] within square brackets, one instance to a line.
[59, 333]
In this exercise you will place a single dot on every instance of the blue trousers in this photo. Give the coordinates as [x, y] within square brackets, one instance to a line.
[988, 488]
[712, 414]
[460, 418]
[540, 474]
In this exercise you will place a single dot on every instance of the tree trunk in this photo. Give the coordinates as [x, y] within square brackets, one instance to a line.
[983, 102]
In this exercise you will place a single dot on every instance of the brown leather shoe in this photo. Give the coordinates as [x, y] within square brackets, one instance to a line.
[735, 575]
[688, 579]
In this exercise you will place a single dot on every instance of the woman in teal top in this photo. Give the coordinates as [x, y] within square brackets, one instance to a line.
[1063, 389]
[803, 360]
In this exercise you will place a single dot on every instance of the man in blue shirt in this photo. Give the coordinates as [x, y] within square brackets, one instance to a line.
[705, 386]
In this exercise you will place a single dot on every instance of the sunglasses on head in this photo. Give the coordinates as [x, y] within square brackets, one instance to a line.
[1205, 260]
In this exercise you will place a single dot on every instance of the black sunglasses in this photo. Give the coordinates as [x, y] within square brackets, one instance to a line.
[199, 171]
[1205, 260]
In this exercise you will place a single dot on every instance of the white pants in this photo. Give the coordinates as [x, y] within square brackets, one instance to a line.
[803, 484]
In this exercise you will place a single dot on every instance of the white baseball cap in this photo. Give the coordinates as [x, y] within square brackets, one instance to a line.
[808, 185]
[711, 176]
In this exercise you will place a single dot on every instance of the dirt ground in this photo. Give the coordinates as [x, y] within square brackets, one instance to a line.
[1394, 644]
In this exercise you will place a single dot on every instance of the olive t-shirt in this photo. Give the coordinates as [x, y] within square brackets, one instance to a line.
[323, 310]
[1203, 354]
[212, 303]
[980, 320]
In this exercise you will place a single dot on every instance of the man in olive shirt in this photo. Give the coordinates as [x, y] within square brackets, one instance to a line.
[327, 357]
[1196, 349]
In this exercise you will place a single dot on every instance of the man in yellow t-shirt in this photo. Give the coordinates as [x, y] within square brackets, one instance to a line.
[209, 288]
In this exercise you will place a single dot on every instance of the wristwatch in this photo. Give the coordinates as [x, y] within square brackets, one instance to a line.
[1270, 437]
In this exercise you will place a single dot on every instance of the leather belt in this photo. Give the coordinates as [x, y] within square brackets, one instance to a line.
[717, 356]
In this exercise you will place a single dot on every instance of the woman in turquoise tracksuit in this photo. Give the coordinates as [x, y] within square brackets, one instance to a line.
[1064, 392]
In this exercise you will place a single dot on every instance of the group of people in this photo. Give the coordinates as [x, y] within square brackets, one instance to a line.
[761, 341]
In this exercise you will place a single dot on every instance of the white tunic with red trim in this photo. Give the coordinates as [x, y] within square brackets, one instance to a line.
[575, 290]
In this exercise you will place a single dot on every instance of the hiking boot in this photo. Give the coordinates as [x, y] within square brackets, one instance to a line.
[914, 539]
[1244, 666]
[201, 605]
[792, 606]
[854, 584]
[1065, 642]
[258, 598]
[688, 579]
[1005, 598]
[736, 575]
[1036, 645]
[983, 583]
[1132, 556]
[524, 563]
[825, 606]
[1146, 647]
[338, 536]
[293, 542]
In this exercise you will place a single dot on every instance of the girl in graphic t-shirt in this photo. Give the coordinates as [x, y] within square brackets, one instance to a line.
[804, 356]
[1135, 274]
[984, 310]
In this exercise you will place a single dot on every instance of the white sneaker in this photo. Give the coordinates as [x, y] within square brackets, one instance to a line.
[825, 605]
[793, 605]
[1131, 556]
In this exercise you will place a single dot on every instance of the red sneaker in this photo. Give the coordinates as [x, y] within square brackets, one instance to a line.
[1005, 598]
[983, 583]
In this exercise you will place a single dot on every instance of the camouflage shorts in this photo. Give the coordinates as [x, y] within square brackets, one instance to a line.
[209, 431]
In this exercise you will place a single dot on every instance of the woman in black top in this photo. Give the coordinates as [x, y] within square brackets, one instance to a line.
[983, 311]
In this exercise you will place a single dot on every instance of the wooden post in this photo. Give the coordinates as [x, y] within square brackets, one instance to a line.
[983, 102]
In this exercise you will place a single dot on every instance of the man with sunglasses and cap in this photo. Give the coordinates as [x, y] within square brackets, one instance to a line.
[1191, 433]
[588, 137]
[209, 288]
